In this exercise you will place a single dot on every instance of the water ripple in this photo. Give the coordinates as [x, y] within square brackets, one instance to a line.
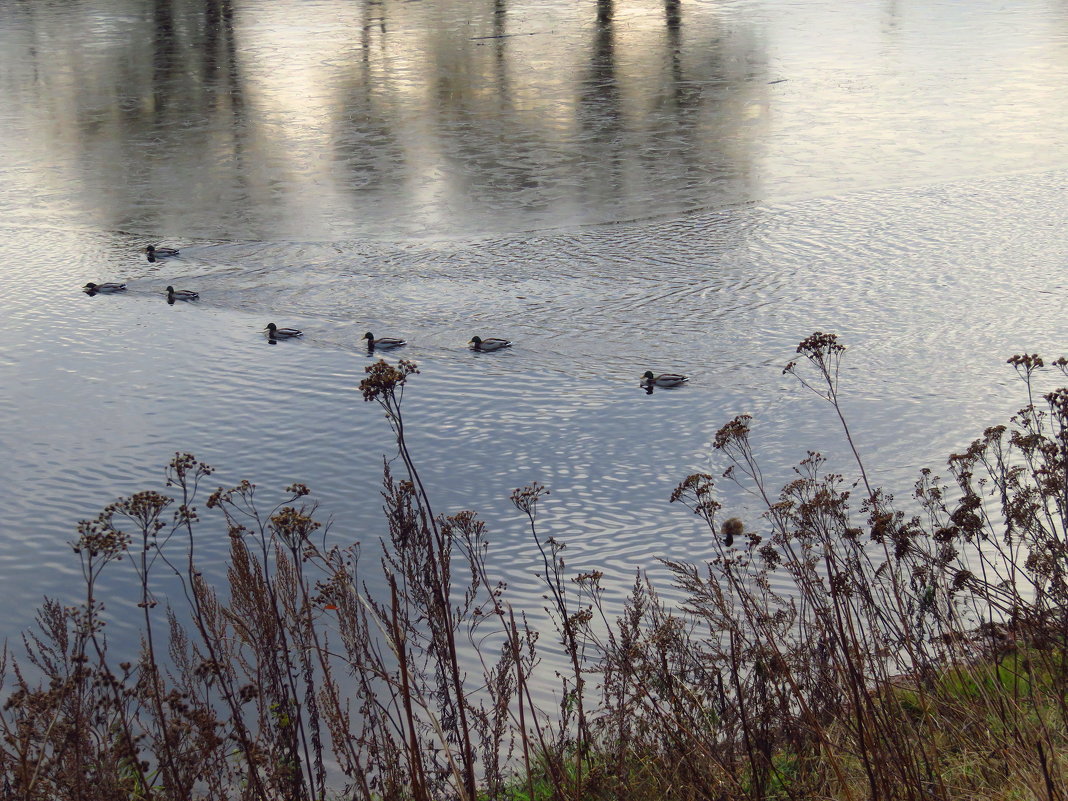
[931, 290]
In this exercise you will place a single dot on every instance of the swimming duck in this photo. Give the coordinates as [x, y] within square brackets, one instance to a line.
[274, 332]
[111, 286]
[493, 343]
[156, 252]
[382, 342]
[181, 294]
[663, 380]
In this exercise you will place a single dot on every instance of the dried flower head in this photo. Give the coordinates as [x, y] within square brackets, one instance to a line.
[383, 379]
[525, 499]
[1026, 363]
[732, 527]
[737, 430]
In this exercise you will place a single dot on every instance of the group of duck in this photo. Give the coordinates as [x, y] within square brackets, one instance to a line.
[274, 333]
[153, 252]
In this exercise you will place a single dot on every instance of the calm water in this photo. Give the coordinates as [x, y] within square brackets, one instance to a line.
[691, 193]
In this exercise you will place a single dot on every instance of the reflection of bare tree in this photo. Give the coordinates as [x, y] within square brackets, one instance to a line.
[579, 146]
[500, 19]
[601, 129]
[222, 71]
[650, 144]
[196, 124]
[673, 20]
[164, 53]
[604, 12]
[150, 119]
[672, 15]
[220, 49]
[367, 130]
[439, 114]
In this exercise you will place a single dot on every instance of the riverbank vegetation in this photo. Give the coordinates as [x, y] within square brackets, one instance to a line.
[838, 648]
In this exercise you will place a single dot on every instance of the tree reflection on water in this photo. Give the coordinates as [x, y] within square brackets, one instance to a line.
[221, 117]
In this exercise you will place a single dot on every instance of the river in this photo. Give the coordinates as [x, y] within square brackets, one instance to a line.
[688, 188]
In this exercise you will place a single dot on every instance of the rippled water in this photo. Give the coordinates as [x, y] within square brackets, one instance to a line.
[693, 194]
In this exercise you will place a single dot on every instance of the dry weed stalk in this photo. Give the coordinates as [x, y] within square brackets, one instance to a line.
[838, 650]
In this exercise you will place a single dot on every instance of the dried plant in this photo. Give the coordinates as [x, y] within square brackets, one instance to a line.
[835, 647]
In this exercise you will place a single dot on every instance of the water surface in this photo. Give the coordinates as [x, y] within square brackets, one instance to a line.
[689, 188]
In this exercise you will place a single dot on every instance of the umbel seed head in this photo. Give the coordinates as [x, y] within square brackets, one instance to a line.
[732, 527]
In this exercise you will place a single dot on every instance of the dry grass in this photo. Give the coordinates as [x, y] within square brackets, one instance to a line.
[909, 658]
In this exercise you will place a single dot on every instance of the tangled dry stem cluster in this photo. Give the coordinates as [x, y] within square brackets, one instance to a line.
[837, 649]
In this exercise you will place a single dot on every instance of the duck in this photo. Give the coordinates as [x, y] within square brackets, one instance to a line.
[156, 252]
[664, 379]
[181, 294]
[274, 332]
[382, 342]
[110, 286]
[493, 343]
